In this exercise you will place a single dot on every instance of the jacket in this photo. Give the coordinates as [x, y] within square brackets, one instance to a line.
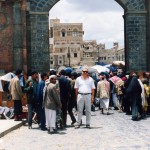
[39, 98]
[103, 89]
[65, 88]
[51, 97]
[15, 89]
[31, 91]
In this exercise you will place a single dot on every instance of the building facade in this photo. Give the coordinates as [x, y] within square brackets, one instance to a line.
[88, 53]
[67, 47]
[66, 40]
[116, 53]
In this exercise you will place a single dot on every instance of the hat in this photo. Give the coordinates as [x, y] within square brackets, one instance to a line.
[18, 72]
[52, 76]
[104, 74]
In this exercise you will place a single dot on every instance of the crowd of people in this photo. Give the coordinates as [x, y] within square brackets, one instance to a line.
[58, 93]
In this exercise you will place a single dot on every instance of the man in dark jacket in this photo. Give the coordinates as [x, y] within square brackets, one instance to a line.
[72, 100]
[127, 98]
[31, 90]
[65, 87]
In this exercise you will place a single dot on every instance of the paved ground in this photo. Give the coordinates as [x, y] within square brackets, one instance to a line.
[6, 126]
[113, 132]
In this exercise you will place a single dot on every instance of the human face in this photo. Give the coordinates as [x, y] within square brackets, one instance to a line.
[53, 80]
[102, 77]
[85, 72]
[45, 78]
[35, 76]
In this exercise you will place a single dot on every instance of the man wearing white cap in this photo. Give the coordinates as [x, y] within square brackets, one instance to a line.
[51, 104]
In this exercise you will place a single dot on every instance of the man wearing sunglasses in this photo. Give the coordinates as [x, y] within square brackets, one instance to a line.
[85, 88]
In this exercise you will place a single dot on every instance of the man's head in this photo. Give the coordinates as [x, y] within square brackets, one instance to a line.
[85, 72]
[147, 74]
[52, 79]
[18, 72]
[53, 72]
[63, 72]
[34, 75]
[74, 75]
[102, 75]
[44, 76]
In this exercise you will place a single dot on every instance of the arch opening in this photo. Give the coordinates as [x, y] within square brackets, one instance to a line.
[97, 31]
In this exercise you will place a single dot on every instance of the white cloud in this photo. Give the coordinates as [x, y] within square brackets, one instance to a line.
[93, 5]
[102, 20]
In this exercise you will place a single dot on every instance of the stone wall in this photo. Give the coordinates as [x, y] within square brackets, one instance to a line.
[136, 42]
[39, 43]
[135, 35]
[38, 35]
[17, 36]
[148, 35]
[6, 38]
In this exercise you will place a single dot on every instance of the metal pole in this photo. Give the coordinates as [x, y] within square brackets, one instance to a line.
[69, 55]
[98, 55]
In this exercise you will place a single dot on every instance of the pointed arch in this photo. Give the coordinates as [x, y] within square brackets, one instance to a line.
[132, 5]
[42, 5]
[121, 3]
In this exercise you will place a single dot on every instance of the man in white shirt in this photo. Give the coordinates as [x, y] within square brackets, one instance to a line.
[85, 88]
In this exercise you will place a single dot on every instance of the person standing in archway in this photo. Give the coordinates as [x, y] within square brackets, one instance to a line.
[65, 87]
[85, 89]
[72, 101]
[31, 90]
[103, 92]
[51, 103]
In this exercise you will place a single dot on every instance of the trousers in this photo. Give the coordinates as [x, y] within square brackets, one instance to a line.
[84, 101]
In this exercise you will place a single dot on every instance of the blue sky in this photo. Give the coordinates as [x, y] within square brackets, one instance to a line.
[102, 19]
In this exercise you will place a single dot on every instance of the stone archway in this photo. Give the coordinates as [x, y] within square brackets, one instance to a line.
[38, 34]
[30, 33]
[135, 16]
